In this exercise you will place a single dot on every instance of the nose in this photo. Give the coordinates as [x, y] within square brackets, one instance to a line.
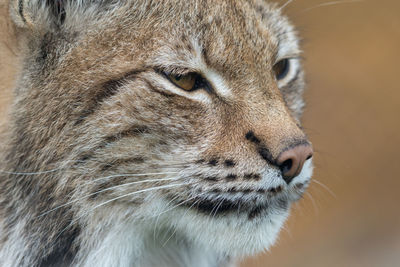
[292, 160]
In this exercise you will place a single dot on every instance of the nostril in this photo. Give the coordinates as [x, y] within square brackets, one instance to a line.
[291, 161]
[286, 165]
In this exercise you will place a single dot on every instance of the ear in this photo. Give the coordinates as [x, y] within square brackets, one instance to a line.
[36, 14]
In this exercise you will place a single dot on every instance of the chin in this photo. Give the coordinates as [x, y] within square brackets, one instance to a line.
[234, 234]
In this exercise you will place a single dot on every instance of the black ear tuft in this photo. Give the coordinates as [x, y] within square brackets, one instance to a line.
[57, 8]
[39, 13]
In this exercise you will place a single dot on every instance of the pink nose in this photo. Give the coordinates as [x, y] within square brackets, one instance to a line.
[291, 161]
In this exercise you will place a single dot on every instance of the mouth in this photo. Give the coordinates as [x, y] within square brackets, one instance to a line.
[251, 207]
[250, 203]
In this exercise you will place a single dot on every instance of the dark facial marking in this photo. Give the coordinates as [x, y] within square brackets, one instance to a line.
[266, 154]
[118, 162]
[256, 177]
[83, 158]
[213, 162]
[217, 207]
[133, 131]
[248, 176]
[232, 190]
[21, 10]
[106, 90]
[229, 163]
[64, 251]
[109, 89]
[261, 191]
[211, 178]
[212, 208]
[252, 138]
[216, 191]
[276, 189]
[255, 212]
[231, 177]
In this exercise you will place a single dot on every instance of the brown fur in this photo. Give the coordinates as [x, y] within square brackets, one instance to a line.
[87, 106]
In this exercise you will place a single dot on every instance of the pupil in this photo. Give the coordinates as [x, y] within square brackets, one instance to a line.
[281, 69]
[178, 77]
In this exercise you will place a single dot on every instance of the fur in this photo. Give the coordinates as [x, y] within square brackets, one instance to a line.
[108, 163]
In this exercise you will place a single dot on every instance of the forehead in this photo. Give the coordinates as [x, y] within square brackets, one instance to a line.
[226, 32]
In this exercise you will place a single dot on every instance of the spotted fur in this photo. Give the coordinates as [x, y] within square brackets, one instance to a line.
[107, 163]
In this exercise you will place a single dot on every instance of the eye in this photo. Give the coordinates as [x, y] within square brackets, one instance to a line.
[187, 82]
[281, 68]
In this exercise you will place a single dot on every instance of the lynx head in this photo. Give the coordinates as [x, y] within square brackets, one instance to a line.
[186, 113]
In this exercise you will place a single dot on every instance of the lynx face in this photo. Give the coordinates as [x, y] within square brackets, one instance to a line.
[177, 116]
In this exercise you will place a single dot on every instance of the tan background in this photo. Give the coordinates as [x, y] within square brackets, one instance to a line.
[352, 54]
[350, 217]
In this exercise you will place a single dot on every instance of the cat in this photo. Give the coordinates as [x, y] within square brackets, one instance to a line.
[151, 133]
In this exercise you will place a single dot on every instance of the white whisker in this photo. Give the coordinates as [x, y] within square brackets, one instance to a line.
[131, 175]
[216, 209]
[116, 198]
[158, 217]
[285, 4]
[172, 234]
[103, 190]
[31, 173]
[181, 217]
[324, 187]
[332, 3]
[316, 210]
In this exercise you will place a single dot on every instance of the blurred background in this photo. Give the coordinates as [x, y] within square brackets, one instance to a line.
[351, 215]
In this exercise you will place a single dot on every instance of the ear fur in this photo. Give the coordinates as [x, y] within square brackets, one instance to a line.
[45, 15]
[35, 14]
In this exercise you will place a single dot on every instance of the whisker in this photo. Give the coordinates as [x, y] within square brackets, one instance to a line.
[31, 173]
[130, 175]
[172, 234]
[116, 198]
[285, 4]
[181, 217]
[316, 210]
[216, 209]
[103, 190]
[173, 207]
[325, 187]
[158, 217]
[191, 206]
[331, 4]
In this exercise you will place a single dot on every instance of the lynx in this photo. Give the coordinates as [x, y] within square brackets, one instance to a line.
[151, 133]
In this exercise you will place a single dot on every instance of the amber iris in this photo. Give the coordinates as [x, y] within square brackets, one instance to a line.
[186, 82]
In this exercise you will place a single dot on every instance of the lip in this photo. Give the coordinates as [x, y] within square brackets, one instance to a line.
[221, 207]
